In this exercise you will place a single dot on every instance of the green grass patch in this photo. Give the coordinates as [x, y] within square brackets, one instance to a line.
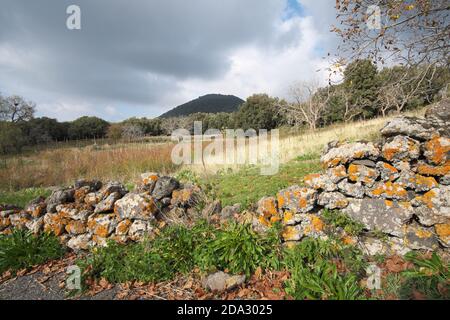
[246, 186]
[22, 250]
[22, 197]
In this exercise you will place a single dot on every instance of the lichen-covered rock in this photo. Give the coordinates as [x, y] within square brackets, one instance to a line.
[445, 180]
[102, 225]
[58, 197]
[310, 225]
[148, 180]
[355, 190]
[332, 200]
[380, 215]
[436, 198]
[164, 187]
[437, 171]
[35, 225]
[139, 230]
[360, 173]
[186, 197]
[81, 193]
[416, 182]
[439, 111]
[268, 211]
[80, 242]
[112, 187]
[19, 220]
[91, 199]
[123, 227]
[37, 207]
[74, 212]
[437, 150]
[411, 127]
[93, 185]
[221, 281]
[388, 190]
[387, 171]
[337, 173]
[418, 237]
[319, 182]
[76, 227]
[107, 204]
[297, 199]
[5, 222]
[136, 206]
[55, 223]
[443, 232]
[401, 148]
[347, 152]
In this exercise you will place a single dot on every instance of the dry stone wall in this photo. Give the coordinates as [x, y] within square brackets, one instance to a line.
[399, 187]
[89, 213]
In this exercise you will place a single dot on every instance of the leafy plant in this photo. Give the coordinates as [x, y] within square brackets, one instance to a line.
[324, 269]
[429, 278]
[22, 250]
[239, 249]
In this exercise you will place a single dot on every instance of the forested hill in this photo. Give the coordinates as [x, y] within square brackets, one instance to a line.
[210, 103]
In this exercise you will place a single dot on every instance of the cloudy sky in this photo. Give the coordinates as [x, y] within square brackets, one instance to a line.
[143, 57]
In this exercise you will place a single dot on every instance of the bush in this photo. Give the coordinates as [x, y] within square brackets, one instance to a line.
[22, 250]
[324, 269]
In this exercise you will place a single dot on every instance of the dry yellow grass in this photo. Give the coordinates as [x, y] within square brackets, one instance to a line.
[62, 166]
[311, 142]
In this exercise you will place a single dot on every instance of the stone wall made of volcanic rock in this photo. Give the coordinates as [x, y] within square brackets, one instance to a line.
[399, 187]
[90, 212]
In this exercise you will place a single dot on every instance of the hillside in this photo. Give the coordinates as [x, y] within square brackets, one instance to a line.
[210, 103]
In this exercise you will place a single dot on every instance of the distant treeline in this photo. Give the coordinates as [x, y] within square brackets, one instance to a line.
[364, 93]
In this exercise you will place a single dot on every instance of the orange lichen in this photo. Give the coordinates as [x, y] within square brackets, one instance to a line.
[443, 231]
[389, 153]
[434, 171]
[123, 227]
[429, 182]
[390, 189]
[5, 222]
[288, 216]
[423, 234]
[317, 223]
[436, 149]
[75, 227]
[388, 203]
[150, 179]
[290, 233]
[427, 198]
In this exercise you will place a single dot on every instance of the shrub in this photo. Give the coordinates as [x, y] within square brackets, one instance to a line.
[22, 250]
[324, 269]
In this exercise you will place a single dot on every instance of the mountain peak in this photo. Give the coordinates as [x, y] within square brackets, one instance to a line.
[209, 103]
